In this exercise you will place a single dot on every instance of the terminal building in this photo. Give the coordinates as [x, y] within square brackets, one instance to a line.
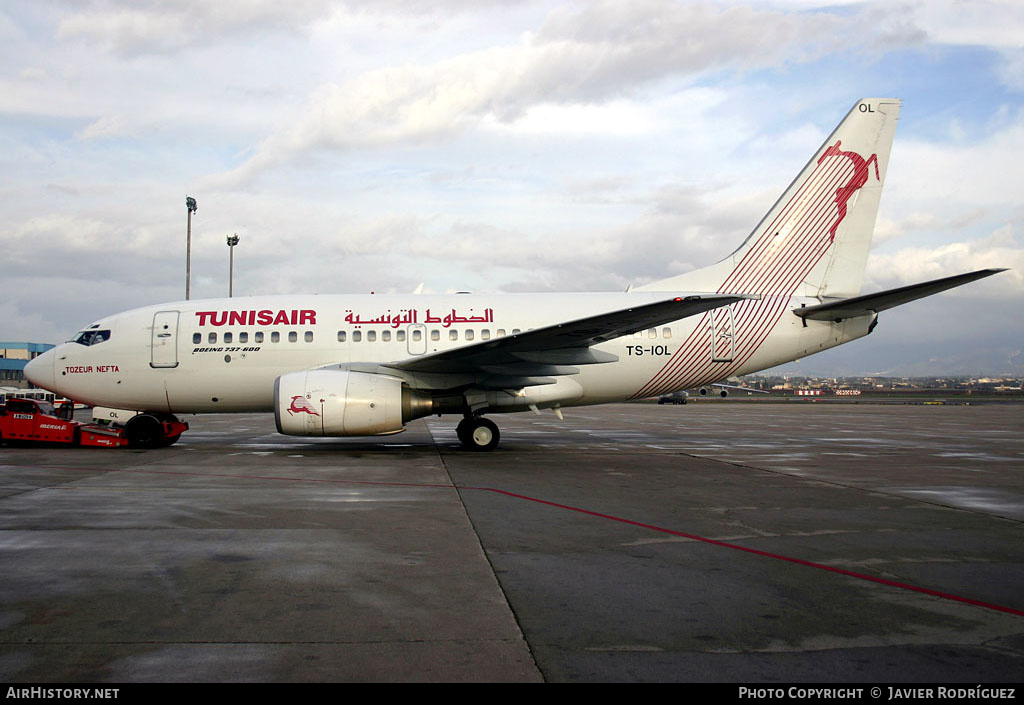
[13, 358]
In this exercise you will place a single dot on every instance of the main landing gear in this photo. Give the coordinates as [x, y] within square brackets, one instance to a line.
[477, 433]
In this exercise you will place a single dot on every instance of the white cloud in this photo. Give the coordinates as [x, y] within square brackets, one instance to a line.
[983, 171]
[991, 23]
[616, 118]
[599, 54]
[32, 73]
[1012, 70]
[910, 265]
[79, 243]
[131, 28]
[106, 126]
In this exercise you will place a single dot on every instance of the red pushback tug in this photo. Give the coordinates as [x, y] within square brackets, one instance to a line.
[30, 420]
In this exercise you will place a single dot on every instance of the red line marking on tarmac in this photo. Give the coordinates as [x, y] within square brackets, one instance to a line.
[766, 554]
[599, 515]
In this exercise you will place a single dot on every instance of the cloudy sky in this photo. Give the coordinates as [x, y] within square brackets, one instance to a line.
[497, 146]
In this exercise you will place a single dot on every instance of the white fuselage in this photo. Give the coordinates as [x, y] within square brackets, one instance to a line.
[391, 358]
[223, 355]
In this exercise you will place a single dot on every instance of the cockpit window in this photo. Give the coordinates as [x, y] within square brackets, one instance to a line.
[91, 337]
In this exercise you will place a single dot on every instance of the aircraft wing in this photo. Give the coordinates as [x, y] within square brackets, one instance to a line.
[873, 303]
[527, 358]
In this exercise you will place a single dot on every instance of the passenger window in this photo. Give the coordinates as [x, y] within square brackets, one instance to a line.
[371, 336]
[666, 333]
[308, 337]
[197, 338]
[417, 335]
[652, 333]
[211, 338]
[435, 335]
[485, 334]
[275, 337]
[469, 334]
[453, 335]
[501, 332]
[357, 336]
[293, 336]
[516, 331]
[341, 336]
[400, 336]
[243, 337]
[385, 336]
[258, 337]
[228, 337]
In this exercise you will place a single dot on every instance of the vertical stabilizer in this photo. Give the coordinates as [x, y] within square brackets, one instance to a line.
[815, 239]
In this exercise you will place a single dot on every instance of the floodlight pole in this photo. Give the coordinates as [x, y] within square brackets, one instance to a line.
[190, 204]
[232, 241]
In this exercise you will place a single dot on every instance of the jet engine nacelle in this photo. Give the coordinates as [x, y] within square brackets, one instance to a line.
[344, 403]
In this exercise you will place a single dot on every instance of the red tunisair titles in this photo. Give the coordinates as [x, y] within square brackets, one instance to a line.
[252, 317]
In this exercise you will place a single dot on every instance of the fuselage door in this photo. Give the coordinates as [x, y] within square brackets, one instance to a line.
[723, 334]
[416, 338]
[165, 339]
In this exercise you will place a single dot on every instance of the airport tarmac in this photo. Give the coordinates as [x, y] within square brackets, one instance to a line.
[716, 541]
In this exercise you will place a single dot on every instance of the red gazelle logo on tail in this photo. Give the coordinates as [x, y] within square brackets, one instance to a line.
[860, 177]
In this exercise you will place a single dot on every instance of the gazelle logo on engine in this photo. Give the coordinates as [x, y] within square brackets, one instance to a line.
[299, 405]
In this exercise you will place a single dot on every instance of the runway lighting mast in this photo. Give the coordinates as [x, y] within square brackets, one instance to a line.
[190, 204]
[232, 241]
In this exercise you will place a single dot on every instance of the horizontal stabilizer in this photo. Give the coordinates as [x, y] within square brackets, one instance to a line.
[739, 387]
[873, 303]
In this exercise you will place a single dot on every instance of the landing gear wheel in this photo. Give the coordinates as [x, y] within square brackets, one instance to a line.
[478, 434]
[462, 430]
[144, 431]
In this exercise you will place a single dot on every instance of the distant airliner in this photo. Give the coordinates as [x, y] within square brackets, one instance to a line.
[367, 365]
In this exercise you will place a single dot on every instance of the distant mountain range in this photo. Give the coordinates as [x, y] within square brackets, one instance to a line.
[909, 360]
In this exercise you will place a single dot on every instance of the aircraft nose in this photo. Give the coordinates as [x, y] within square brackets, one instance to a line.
[39, 370]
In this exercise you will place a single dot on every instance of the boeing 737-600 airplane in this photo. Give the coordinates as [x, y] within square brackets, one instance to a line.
[367, 365]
